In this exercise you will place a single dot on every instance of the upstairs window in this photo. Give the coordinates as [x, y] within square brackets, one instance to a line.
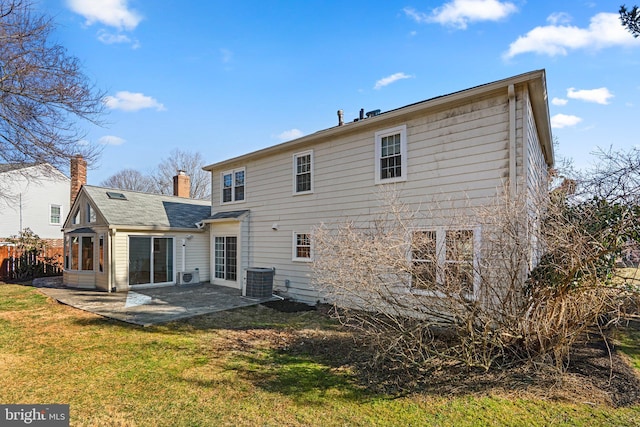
[233, 185]
[303, 172]
[55, 214]
[391, 155]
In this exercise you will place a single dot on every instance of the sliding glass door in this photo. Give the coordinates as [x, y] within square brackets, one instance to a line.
[150, 260]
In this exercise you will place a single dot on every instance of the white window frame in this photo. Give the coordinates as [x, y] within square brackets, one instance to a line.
[402, 130]
[225, 258]
[51, 206]
[441, 255]
[296, 156]
[101, 254]
[233, 172]
[294, 251]
[69, 253]
[91, 214]
[77, 217]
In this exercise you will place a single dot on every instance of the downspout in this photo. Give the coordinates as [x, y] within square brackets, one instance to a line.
[184, 255]
[112, 258]
[512, 141]
[184, 251]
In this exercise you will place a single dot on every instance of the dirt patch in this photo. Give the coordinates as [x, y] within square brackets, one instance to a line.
[288, 306]
[594, 375]
[606, 369]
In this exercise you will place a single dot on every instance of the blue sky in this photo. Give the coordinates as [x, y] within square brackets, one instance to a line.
[224, 78]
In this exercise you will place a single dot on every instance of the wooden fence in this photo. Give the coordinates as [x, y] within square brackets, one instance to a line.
[26, 265]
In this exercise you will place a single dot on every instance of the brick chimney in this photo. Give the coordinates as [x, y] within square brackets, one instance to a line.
[78, 175]
[181, 184]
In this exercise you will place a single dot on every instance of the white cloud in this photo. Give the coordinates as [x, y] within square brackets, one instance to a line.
[604, 31]
[559, 101]
[113, 13]
[559, 18]
[563, 120]
[129, 101]
[458, 13]
[111, 140]
[109, 38]
[599, 96]
[390, 79]
[290, 134]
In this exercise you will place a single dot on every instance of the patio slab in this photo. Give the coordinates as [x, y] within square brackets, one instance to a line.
[147, 307]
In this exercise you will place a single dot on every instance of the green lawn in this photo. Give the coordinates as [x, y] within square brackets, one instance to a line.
[242, 367]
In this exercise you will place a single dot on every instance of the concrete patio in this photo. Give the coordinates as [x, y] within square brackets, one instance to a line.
[147, 307]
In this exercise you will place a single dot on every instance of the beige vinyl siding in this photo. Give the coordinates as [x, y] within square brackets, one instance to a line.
[121, 268]
[196, 254]
[536, 177]
[458, 156]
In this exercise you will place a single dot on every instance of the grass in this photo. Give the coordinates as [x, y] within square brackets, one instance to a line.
[242, 367]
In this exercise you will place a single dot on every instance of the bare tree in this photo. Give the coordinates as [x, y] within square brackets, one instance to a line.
[161, 181]
[630, 19]
[43, 92]
[191, 163]
[130, 179]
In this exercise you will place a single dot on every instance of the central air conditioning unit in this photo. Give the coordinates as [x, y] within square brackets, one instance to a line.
[188, 277]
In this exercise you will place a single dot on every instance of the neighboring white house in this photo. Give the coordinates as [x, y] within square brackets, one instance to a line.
[462, 147]
[35, 197]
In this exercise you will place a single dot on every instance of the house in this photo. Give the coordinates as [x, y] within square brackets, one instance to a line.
[117, 240]
[465, 148]
[34, 196]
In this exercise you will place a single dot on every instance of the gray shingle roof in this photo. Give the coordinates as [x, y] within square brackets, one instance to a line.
[148, 210]
[228, 215]
[7, 167]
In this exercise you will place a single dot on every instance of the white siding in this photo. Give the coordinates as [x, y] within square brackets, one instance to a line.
[26, 201]
[458, 155]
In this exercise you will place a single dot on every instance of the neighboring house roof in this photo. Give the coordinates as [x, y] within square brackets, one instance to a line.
[8, 167]
[46, 168]
[147, 210]
[536, 80]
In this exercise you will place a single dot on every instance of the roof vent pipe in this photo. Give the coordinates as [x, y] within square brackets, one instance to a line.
[362, 114]
[340, 117]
